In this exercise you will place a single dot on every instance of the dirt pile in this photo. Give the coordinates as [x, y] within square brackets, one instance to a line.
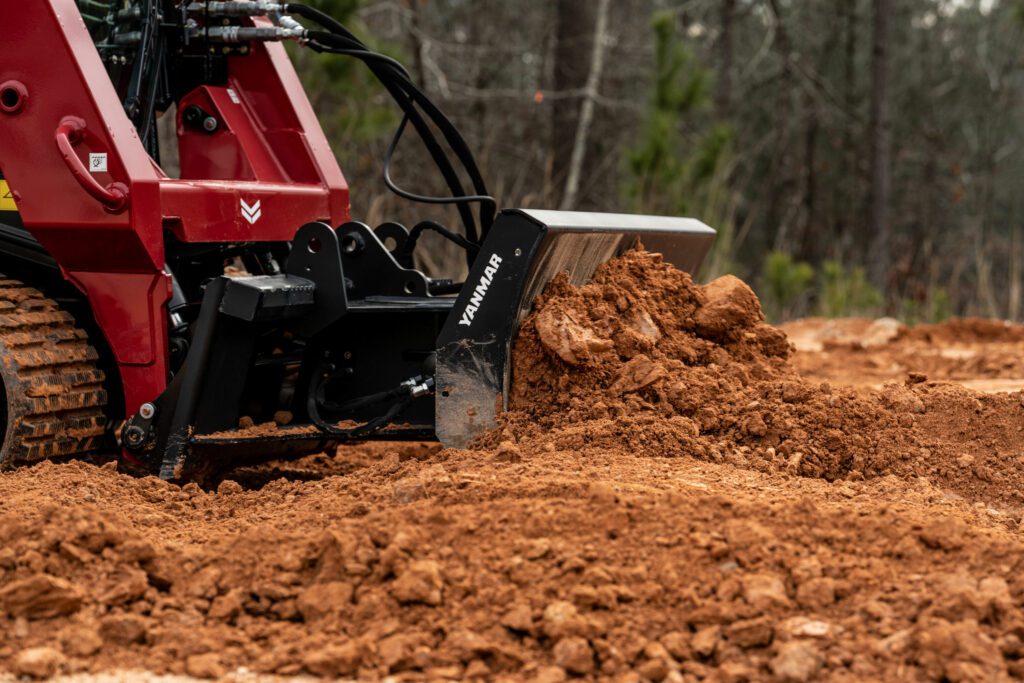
[643, 360]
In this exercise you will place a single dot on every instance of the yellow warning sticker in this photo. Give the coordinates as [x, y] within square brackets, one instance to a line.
[6, 198]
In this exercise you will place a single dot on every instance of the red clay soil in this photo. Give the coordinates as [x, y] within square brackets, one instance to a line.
[984, 353]
[668, 499]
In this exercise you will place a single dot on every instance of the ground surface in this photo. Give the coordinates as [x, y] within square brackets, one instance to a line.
[674, 496]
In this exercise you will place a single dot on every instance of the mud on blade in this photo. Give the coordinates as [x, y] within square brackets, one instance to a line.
[523, 252]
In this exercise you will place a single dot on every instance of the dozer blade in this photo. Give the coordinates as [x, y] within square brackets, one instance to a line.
[524, 250]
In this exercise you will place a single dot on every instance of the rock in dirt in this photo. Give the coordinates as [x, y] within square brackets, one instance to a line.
[549, 674]
[802, 627]
[944, 533]
[655, 669]
[420, 582]
[40, 596]
[82, 641]
[334, 660]
[123, 629]
[817, 593]
[322, 600]
[205, 666]
[638, 373]
[574, 654]
[518, 618]
[731, 308]
[561, 619]
[570, 340]
[881, 332]
[750, 633]
[678, 645]
[642, 323]
[229, 487]
[705, 641]
[38, 662]
[765, 591]
[228, 606]
[508, 451]
[796, 662]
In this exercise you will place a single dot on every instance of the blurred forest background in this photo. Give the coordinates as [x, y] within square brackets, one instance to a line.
[856, 156]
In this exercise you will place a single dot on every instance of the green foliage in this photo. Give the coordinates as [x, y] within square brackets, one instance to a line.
[785, 284]
[936, 308]
[672, 167]
[844, 292]
[940, 305]
[682, 161]
[680, 85]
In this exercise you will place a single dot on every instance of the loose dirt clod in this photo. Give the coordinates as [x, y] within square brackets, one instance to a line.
[38, 662]
[667, 499]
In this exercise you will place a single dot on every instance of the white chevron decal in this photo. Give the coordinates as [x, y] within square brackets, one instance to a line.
[252, 213]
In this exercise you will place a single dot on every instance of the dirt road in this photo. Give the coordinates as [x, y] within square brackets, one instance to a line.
[673, 496]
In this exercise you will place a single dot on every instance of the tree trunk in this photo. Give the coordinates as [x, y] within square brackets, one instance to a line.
[849, 198]
[574, 46]
[810, 245]
[780, 181]
[416, 44]
[880, 135]
[723, 94]
[579, 150]
[1014, 297]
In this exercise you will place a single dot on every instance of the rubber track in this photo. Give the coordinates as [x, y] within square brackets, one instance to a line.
[55, 391]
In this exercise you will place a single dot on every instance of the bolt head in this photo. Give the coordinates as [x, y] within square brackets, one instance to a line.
[134, 436]
[147, 411]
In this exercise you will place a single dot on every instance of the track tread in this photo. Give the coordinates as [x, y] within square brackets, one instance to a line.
[57, 397]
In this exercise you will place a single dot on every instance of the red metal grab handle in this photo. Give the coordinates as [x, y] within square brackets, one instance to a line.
[69, 132]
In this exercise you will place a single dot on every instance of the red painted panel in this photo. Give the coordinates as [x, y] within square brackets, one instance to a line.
[129, 310]
[118, 259]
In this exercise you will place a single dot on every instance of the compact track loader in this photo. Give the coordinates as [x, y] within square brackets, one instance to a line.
[160, 313]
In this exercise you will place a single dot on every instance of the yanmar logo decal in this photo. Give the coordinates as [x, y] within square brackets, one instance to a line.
[252, 213]
[477, 300]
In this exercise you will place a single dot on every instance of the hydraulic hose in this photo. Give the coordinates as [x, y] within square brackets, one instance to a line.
[402, 395]
[339, 40]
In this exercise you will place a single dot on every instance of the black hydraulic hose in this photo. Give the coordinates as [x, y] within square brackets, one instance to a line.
[483, 199]
[407, 96]
[132, 101]
[360, 432]
[433, 147]
[423, 226]
[451, 134]
[149, 133]
[363, 401]
[488, 205]
[388, 70]
[371, 427]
